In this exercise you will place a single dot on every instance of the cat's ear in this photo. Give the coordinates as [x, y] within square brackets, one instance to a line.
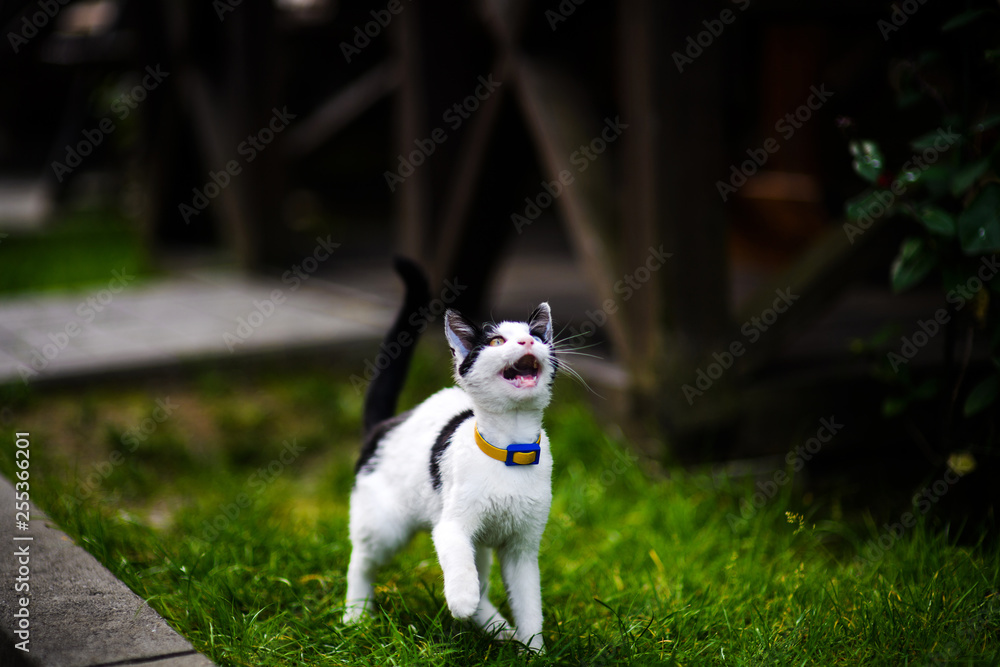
[540, 323]
[460, 332]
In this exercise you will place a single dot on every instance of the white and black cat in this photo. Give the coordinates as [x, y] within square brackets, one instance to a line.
[471, 464]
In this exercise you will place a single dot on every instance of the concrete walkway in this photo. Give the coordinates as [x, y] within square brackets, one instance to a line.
[77, 613]
[193, 317]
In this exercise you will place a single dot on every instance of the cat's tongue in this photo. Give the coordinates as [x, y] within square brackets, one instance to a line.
[523, 374]
[525, 381]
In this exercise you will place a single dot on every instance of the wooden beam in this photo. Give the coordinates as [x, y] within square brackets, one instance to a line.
[209, 128]
[504, 20]
[691, 217]
[639, 186]
[342, 107]
[689, 112]
[551, 106]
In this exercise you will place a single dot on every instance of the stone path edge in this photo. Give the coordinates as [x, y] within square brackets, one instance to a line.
[331, 355]
[79, 613]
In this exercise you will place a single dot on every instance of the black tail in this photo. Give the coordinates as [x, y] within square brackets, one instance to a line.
[380, 399]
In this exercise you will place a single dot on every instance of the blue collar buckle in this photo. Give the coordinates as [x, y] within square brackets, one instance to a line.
[526, 448]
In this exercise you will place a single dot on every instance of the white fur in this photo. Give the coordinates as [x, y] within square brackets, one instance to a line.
[482, 504]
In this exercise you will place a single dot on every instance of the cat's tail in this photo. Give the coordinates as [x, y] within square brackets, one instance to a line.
[385, 387]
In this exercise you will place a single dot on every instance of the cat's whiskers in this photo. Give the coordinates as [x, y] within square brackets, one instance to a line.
[560, 349]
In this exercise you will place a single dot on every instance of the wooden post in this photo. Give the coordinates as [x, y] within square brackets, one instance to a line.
[692, 219]
[638, 205]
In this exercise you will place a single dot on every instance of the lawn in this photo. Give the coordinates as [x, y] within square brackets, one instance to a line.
[226, 507]
[77, 249]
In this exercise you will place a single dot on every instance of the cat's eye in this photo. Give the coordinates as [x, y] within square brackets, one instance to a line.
[496, 340]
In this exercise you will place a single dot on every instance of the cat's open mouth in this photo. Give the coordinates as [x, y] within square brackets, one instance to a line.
[523, 373]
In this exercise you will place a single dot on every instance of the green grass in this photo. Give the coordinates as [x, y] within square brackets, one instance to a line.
[79, 249]
[246, 558]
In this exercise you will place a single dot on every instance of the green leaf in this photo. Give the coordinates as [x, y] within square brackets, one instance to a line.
[870, 205]
[979, 224]
[962, 19]
[967, 176]
[935, 179]
[909, 177]
[939, 173]
[940, 140]
[936, 220]
[914, 262]
[982, 396]
[868, 159]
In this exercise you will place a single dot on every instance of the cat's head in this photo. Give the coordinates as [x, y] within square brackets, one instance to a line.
[507, 365]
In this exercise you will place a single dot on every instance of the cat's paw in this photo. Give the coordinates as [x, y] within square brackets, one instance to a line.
[463, 602]
[533, 645]
[355, 613]
[493, 624]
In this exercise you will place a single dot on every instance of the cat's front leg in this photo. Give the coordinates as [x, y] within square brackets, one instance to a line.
[458, 563]
[521, 576]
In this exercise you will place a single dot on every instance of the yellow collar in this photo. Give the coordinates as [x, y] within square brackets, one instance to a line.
[514, 455]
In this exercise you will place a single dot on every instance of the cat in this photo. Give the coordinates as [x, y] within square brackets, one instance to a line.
[471, 464]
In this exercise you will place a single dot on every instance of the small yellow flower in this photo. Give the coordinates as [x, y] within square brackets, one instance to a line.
[795, 517]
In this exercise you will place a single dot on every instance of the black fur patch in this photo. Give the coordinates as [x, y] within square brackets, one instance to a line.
[366, 462]
[482, 336]
[441, 444]
[538, 326]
